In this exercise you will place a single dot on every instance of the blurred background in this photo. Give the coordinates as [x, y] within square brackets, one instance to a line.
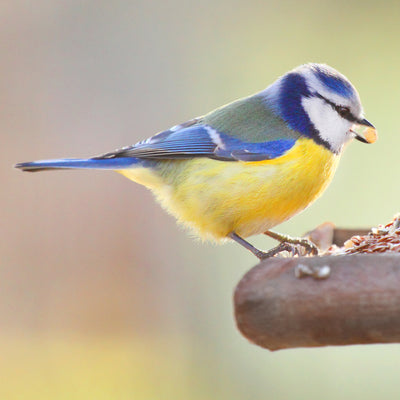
[101, 295]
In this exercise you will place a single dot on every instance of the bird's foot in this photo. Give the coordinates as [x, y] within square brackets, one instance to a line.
[293, 246]
[300, 246]
[282, 247]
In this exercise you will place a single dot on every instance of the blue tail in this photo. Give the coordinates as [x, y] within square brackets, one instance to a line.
[71, 163]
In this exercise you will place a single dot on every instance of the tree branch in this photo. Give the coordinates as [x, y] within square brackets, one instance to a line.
[358, 303]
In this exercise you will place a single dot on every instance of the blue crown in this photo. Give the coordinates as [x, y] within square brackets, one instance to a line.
[334, 81]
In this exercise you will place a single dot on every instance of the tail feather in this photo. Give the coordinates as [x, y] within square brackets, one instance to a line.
[78, 163]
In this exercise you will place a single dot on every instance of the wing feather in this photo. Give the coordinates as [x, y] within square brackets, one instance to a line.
[224, 134]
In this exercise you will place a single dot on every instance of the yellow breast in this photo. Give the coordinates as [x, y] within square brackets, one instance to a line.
[216, 197]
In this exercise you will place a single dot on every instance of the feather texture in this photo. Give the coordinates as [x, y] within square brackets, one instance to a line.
[249, 165]
[245, 130]
[77, 163]
[214, 198]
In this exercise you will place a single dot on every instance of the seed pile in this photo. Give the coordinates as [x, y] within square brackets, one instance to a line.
[383, 239]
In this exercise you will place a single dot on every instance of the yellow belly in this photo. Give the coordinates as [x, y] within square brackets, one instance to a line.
[215, 197]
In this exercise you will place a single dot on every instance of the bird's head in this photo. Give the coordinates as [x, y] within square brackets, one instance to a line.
[321, 103]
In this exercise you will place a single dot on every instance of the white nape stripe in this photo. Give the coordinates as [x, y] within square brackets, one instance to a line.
[331, 126]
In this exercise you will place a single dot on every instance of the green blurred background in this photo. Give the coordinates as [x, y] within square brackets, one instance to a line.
[101, 295]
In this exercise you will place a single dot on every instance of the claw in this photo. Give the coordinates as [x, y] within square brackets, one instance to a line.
[309, 247]
[276, 250]
[292, 245]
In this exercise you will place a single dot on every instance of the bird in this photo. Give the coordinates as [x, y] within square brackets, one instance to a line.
[247, 166]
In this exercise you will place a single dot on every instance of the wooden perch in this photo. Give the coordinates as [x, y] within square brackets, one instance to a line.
[358, 302]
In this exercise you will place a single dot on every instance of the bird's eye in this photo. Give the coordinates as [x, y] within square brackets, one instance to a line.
[344, 111]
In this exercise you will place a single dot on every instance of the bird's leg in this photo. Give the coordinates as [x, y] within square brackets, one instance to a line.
[283, 246]
[308, 245]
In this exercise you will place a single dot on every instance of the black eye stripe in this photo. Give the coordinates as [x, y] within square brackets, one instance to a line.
[342, 111]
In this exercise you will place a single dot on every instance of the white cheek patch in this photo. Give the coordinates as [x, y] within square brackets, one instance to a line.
[331, 126]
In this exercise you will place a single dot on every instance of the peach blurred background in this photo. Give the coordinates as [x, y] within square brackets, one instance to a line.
[102, 296]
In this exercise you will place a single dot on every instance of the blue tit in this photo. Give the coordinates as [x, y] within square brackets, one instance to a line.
[247, 166]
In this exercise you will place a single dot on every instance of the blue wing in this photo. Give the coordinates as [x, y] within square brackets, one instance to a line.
[194, 139]
[245, 130]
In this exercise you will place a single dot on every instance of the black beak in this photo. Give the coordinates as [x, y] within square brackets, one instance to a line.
[360, 138]
[365, 122]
